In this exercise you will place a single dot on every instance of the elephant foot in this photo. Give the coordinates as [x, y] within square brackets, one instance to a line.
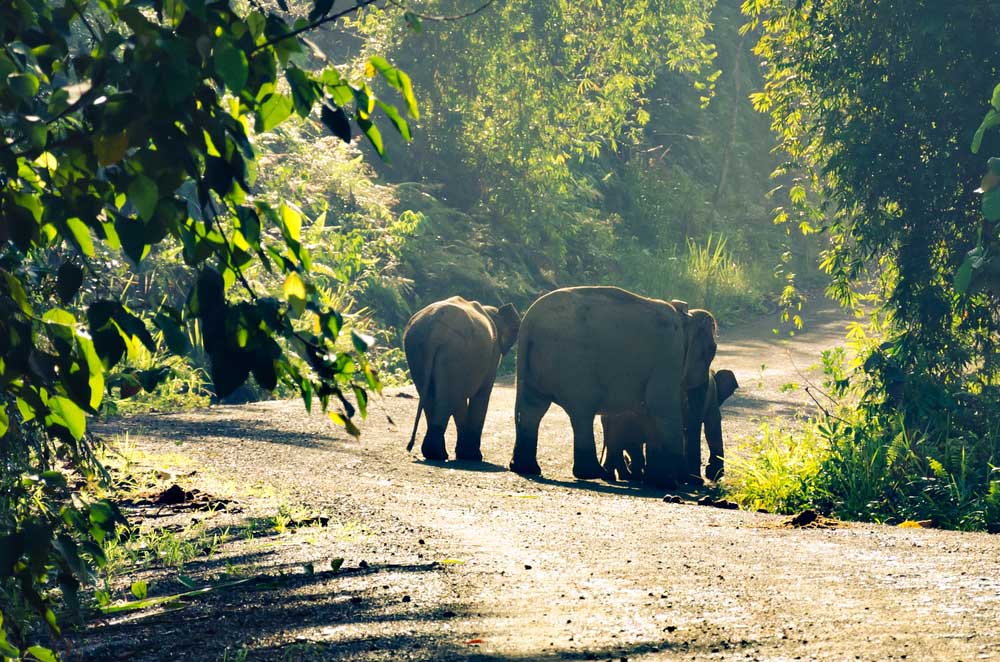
[588, 471]
[433, 445]
[694, 480]
[468, 454]
[525, 468]
[714, 471]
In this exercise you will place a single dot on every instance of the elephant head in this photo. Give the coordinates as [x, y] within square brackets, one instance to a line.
[508, 321]
[725, 385]
[700, 332]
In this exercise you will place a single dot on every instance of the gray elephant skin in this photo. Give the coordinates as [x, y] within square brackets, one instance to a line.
[453, 348]
[624, 433]
[603, 350]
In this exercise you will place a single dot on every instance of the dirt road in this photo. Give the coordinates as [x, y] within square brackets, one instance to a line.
[464, 561]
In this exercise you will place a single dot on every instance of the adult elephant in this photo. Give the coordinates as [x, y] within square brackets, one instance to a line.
[453, 348]
[624, 434]
[599, 350]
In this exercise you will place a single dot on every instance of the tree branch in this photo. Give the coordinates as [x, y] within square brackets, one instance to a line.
[440, 19]
[329, 18]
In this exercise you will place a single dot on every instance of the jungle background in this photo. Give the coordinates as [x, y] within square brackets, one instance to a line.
[187, 223]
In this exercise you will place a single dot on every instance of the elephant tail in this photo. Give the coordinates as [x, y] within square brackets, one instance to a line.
[428, 374]
[416, 423]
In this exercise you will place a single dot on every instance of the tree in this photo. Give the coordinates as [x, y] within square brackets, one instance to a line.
[875, 105]
[127, 125]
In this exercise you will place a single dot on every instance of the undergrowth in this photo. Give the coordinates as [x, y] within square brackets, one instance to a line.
[868, 463]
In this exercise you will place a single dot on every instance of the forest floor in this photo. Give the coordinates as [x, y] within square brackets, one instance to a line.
[467, 561]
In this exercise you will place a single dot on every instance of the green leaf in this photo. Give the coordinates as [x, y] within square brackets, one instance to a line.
[230, 64]
[24, 86]
[139, 589]
[95, 369]
[4, 420]
[295, 292]
[81, 235]
[70, 414]
[173, 11]
[397, 121]
[111, 148]
[291, 221]
[362, 341]
[60, 317]
[7, 650]
[371, 132]
[991, 120]
[995, 100]
[274, 110]
[991, 205]
[42, 654]
[963, 277]
[336, 120]
[397, 79]
[68, 281]
[413, 21]
[303, 90]
[144, 194]
[168, 322]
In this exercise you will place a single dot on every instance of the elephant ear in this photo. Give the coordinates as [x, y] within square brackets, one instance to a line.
[700, 328]
[725, 384]
[508, 322]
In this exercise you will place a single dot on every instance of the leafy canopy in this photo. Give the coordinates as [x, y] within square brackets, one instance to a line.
[127, 125]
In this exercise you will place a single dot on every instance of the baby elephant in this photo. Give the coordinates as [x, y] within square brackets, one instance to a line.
[453, 348]
[624, 433]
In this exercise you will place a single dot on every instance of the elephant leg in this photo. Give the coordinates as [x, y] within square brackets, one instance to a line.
[433, 447]
[585, 464]
[717, 453]
[529, 409]
[613, 455]
[471, 433]
[666, 466]
[438, 410]
[692, 445]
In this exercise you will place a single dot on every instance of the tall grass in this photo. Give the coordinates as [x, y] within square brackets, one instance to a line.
[778, 469]
[859, 469]
[706, 275]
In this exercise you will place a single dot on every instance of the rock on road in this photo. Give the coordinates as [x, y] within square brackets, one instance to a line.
[470, 561]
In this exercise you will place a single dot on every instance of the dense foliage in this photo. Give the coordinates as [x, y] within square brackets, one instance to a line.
[568, 143]
[875, 105]
[127, 131]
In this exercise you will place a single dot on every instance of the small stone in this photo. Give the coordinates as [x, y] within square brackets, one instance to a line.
[406, 598]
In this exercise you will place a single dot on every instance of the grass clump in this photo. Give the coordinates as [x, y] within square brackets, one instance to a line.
[706, 275]
[778, 469]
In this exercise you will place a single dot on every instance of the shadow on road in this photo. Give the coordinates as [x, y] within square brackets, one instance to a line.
[627, 489]
[463, 465]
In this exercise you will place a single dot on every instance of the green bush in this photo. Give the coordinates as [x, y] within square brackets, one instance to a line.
[778, 469]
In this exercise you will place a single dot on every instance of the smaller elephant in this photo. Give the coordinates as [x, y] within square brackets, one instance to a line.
[453, 348]
[624, 433]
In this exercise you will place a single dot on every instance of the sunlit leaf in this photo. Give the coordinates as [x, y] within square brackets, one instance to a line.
[273, 111]
[230, 64]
